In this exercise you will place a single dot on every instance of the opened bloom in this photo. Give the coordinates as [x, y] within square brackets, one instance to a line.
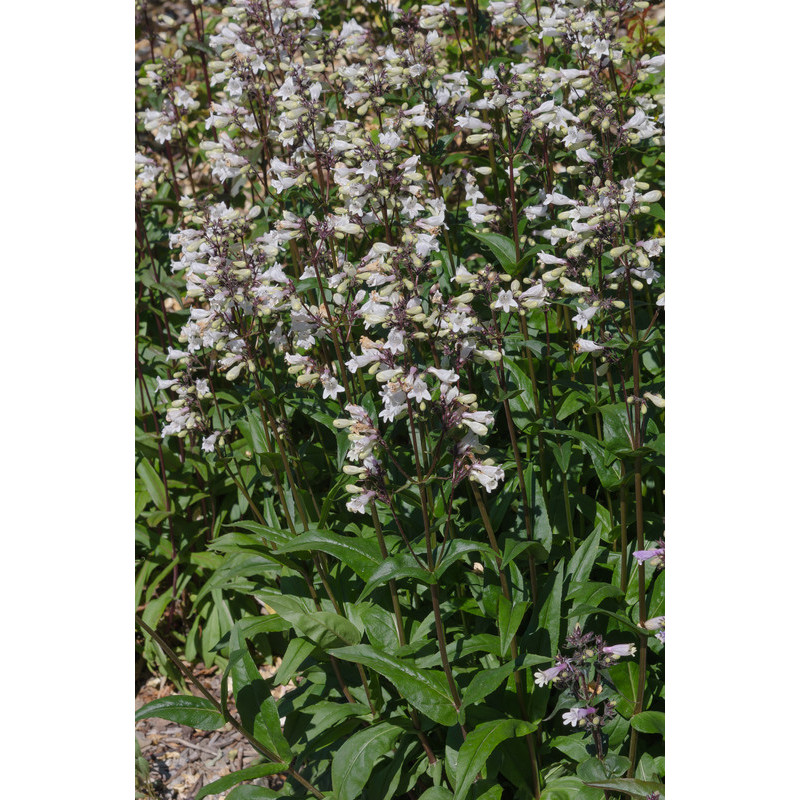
[576, 716]
[543, 677]
[655, 556]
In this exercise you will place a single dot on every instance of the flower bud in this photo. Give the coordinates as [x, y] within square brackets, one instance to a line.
[352, 469]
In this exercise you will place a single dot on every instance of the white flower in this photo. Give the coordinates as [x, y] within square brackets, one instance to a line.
[174, 355]
[581, 319]
[655, 399]
[549, 258]
[446, 376]
[162, 384]
[331, 386]
[426, 242]
[587, 346]
[210, 442]
[486, 475]
[570, 287]
[559, 200]
[394, 342]
[419, 390]
[505, 300]
[390, 140]
[480, 212]
[478, 421]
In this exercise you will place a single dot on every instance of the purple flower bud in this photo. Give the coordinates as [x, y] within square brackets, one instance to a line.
[618, 650]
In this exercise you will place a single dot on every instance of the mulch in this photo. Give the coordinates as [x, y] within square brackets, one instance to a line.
[182, 760]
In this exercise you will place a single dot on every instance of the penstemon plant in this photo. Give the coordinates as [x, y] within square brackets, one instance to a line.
[400, 322]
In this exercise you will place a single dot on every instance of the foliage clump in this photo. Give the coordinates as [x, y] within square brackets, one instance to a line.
[400, 389]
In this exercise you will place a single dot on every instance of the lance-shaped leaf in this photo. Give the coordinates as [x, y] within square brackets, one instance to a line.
[196, 712]
[648, 722]
[631, 787]
[355, 759]
[324, 628]
[362, 555]
[248, 774]
[479, 745]
[400, 566]
[487, 680]
[426, 690]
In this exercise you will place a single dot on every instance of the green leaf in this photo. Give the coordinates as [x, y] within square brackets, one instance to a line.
[485, 682]
[394, 779]
[607, 468]
[297, 651]
[547, 622]
[631, 787]
[501, 246]
[508, 621]
[250, 792]
[569, 788]
[624, 621]
[363, 556]
[610, 767]
[523, 381]
[326, 713]
[268, 534]
[649, 722]
[400, 566]
[456, 548]
[196, 712]
[426, 690]
[153, 483]
[324, 628]
[479, 745]
[626, 680]
[257, 771]
[580, 565]
[436, 793]
[254, 701]
[355, 759]
[616, 427]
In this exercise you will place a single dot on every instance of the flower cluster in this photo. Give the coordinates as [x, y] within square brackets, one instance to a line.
[579, 674]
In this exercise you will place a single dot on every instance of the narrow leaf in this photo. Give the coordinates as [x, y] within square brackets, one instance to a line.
[479, 745]
[196, 712]
[355, 759]
[426, 690]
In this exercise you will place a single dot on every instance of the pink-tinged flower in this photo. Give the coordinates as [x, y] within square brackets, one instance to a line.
[576, 715]
[617, 650]
[656, 556]
[543, 677]
[359, 503]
